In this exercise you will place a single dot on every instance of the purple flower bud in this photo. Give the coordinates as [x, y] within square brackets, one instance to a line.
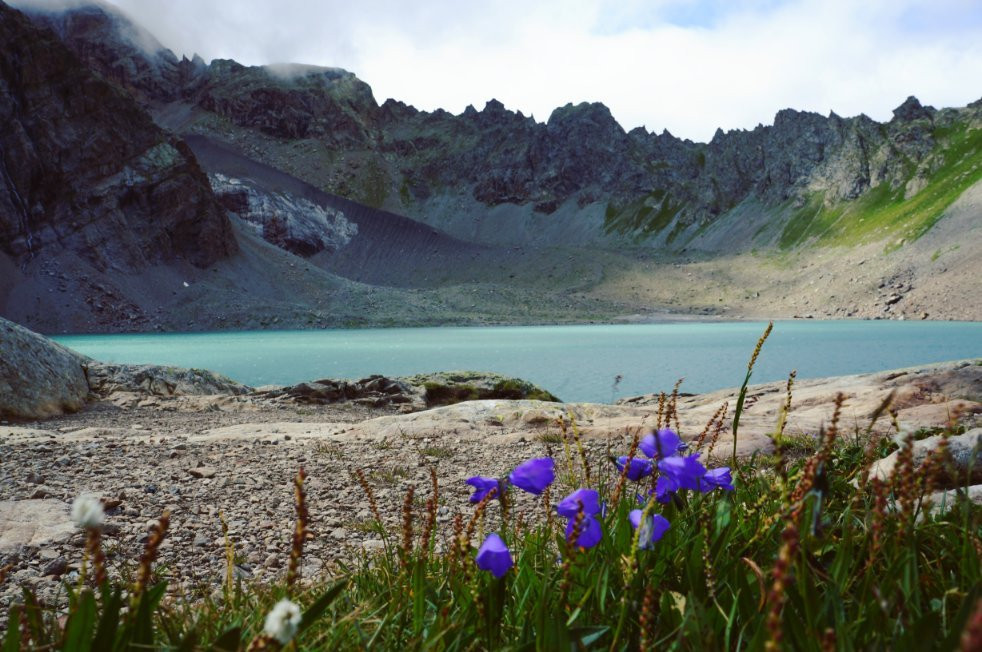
[534, 476]
[590, 532]
[636, 470]
[652, 530]
[493, 556]
[714, 478]
[663, 443]
[482, 486]
[685, 471]
[569, 505]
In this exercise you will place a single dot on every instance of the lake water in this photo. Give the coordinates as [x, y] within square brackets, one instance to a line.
[576, 363]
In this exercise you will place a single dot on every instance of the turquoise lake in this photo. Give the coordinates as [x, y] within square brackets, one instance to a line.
[577, 363]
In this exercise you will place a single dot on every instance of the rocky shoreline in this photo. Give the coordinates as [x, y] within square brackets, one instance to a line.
[150, 439]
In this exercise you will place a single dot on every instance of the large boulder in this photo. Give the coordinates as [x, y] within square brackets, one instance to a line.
[38, 378]
[964, 465]
[449, 387]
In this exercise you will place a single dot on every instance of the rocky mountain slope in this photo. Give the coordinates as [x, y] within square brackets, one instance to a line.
[108, 223]
[86, 175]
[572, 218]
[814, 176]
[84, 168]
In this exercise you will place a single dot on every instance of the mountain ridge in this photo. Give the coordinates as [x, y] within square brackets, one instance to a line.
[655, 189]
[574, 213]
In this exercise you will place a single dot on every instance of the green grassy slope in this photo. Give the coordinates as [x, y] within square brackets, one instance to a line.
[883, 211]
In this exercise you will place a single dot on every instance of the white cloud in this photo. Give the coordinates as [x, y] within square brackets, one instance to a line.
[686, 66]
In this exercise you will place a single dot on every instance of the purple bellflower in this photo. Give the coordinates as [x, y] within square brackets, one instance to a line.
[493, 556]
[665, 486]
[662, 443]
[716, 478]
[652, 529]
[534, 475]
[636, 470]
[482, 486]
[685, 471]
[590, 532]
[569, 505]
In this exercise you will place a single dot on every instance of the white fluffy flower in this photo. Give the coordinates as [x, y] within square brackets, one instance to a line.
[283, 621]
[87, 512]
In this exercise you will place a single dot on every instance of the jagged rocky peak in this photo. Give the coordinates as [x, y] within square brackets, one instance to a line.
[85, 169]
[595, 114]
[117, 48]
[285, 100]
[392, 110]
[912, 110]
[301, 71]
[493, 115]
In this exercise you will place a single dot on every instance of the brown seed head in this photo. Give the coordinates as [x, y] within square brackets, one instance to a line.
[407, 526]
[782, 579]
[150, 551]
[300, 530]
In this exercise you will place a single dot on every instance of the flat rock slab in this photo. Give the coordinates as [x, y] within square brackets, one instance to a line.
[503, 421]
[33, 523]
[18, 434]
[276, 431]
[924, 396]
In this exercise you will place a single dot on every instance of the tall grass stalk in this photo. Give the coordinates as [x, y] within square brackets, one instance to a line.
[742, 397]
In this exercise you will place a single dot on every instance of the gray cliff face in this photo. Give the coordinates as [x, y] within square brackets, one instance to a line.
[288, 221]
[83, 168]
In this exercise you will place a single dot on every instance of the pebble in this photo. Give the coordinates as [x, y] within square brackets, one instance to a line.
[56, 567]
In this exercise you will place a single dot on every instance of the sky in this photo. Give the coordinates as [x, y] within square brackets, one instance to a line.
[688, 66]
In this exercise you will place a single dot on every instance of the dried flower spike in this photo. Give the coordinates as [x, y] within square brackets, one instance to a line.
[300, 531]
[150, 550]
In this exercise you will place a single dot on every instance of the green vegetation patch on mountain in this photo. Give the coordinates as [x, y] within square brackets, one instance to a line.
[643, 217]
[886, 211]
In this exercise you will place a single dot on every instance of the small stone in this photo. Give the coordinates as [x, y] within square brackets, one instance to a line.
[56, 567]
[203, 472]
[42, 492]
[201, 540]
